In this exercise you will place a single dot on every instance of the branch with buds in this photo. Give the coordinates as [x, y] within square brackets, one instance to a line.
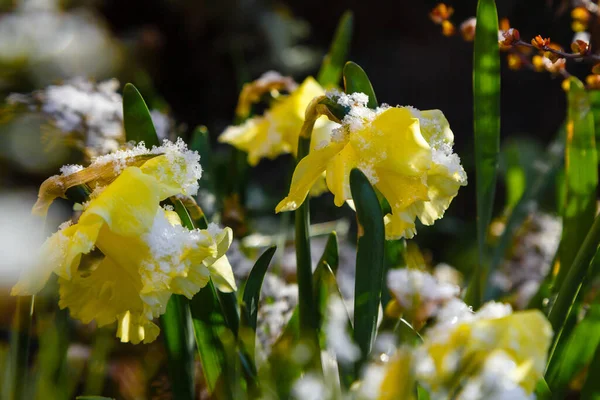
[550, 56]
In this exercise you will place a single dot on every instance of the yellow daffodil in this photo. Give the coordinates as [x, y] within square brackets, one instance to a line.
[462, 344]
[405, 153]
[147, 254]
[276, 132]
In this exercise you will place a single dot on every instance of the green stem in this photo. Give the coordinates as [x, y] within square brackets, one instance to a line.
[21, 336]
[306, 301]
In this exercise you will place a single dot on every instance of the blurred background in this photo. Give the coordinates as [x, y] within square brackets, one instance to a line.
[190, 58]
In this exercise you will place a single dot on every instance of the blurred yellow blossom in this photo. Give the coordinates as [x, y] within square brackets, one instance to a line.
[405, 153]
[148, 255]
[276, 132]
[466, 345]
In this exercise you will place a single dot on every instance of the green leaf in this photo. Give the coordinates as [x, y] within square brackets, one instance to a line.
[577, 352]
[356, 80]
[177, 331]
[209, 325]
[369, 261]
[200, 142]
[572, 284]
[591, 387]
[581, 177]
[542, 391]
[549, 164]
[330, 253]
[136, 118]
[333, 63]
[486, 124]
[251, 294]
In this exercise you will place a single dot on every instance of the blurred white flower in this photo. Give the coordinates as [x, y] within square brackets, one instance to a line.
[336, 329]
[21, 234]
[46, 44]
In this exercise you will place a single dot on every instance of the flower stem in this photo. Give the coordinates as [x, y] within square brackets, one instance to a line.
[21, 334]
[306, 301]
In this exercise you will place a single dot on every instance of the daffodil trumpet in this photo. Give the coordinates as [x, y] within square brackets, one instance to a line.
[146, 253]
[405, 153]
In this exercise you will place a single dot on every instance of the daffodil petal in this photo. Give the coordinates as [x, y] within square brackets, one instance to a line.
[338, 174]
[401, 192]
[393, 141]
[222, 275]
[60, 254]
[308, 170]
[127, 205]
[434, 126]
[101, 294]
[132, 328]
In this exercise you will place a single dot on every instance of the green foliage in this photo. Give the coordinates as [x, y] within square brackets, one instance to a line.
[486, 124]
[369, 261]
[331, 69]
[577, 272]
[356, 80]
[253, 286]
[136, 118]
[581, 178]
[16, 377]
[177, 331]
[577, 352]
[330, 253]
[591, 387]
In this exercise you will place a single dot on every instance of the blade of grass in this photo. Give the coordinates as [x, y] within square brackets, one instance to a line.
[136, 118]
[486, 125]
[581, 178]
[369, 261]
[331, 69]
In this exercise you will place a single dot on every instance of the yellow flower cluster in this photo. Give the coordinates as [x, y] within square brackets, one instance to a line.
[276, 132]
[147, 254]
[405, 153]
[493, 353]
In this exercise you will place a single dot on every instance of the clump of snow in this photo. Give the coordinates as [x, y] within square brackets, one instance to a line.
[411, 285]
[184, 165]
[311, 387]
[70, 169]
[89, 112]
[498, 380]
